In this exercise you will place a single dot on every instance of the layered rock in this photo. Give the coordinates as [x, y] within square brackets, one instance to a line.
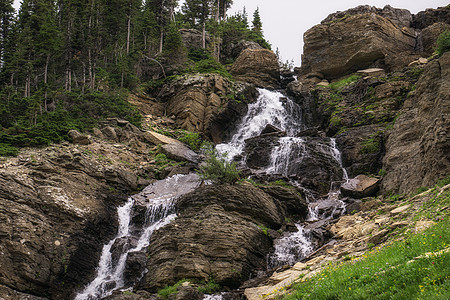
[208, 104]
[360, 187]
[218, 234]
[257, 66]
[355, 42]
[417, 146]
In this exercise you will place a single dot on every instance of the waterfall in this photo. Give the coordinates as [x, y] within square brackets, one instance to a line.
[159, 199]
[278, 110]
[272, 108]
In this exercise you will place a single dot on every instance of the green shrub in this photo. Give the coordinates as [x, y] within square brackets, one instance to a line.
[170, 290]
[443, 43]
[209, 288]
[217, 168]
[8, 150]
[192, 139]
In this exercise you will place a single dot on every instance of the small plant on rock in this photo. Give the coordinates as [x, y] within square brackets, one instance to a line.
[217, 168]
[443, 43]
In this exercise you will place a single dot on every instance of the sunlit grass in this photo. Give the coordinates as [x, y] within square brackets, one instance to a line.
[416, 267]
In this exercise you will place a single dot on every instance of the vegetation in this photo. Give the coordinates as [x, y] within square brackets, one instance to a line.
[443, 43]
[170, 290]
[412, 267]
[209, 288]
[217, 168]
[70, 64]
[192, 139]
[344, 82]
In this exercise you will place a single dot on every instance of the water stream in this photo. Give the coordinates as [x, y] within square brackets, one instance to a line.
[159, 199]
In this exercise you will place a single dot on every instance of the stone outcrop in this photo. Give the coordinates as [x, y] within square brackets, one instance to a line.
[58, 208]
[218, 234]
[429, 35]
[257, 66]
[232, 51]
[430, 16]
[360, 187]
[417, 146]
[208, 104]
[354, 42]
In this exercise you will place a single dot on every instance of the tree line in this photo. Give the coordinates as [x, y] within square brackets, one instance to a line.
[57, 54]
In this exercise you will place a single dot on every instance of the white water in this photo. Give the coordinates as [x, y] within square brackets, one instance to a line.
[272, 108]
[291, 248]
[275, 109]
[159, 198]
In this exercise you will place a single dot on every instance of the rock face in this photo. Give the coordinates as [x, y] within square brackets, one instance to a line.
[257, 66]
[206, 103]
[218, 235]
[417, 146]
[360, 187]
[354, 42]
[309, 161]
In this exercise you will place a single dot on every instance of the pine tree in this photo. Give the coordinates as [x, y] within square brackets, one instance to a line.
[256, 23]
[197, 13]
[6, 19]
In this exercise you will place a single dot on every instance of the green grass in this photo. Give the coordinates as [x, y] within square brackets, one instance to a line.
[400, 270]
[344, 82]
[170, 290]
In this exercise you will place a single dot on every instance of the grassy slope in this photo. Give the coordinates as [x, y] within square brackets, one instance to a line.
[411, 266]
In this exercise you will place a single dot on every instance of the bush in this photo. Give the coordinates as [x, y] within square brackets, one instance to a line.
[443, 43]
[217, 168]
[192, 139]
[8, 150]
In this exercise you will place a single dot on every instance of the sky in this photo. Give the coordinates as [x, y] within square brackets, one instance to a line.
[285, 21]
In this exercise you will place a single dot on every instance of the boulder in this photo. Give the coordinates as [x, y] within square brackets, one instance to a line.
[360, 187]
[417, 146]
[180, 152]
[216, 234]
[290, 198]
[272, 129]
[202, 103]
[355, 42]
[257, 66]
[78, 138]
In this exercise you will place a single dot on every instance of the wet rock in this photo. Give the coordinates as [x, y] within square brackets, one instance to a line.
[272, 129]
[188, 293]
[215, 234]
[258, 150]
[134, 267]
[293, 201]
[362, 149]
[259, 67]
[416, 147]
[360, 187]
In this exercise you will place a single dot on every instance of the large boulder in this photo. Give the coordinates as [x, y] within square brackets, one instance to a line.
[360, 187]
[257, 66]
[193, 38]
[217, 234]
[342, 46]
[206, 103]
[429, 36]
[417, 146]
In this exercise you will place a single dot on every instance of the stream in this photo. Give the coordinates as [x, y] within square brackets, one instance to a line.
[271, 107]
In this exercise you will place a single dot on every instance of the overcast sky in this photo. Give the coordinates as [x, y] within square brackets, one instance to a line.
[285, 21]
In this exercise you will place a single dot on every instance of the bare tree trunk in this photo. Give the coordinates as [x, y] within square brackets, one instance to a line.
[204, 35]
[129, 32]
[217, 11]
[47, 62]
[161, 40]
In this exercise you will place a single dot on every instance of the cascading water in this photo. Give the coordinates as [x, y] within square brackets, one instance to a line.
[270, 108]
[276, 109]
[159, 199]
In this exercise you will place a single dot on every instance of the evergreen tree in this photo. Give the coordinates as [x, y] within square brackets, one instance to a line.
[256, 23]
[6, 19]
[197, 13]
